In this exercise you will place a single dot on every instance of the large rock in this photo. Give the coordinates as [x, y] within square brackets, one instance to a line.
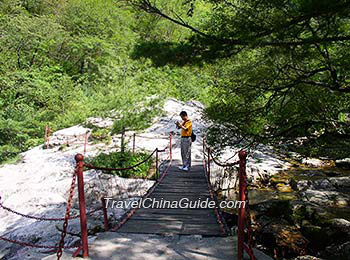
[307, 257]
[343, 163]
[286, 239]
[342, 226]
[338, 251]
[326, 198]
[328, 184]
[313, 162]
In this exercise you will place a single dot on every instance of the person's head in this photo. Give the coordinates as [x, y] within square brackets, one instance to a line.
[183, 115]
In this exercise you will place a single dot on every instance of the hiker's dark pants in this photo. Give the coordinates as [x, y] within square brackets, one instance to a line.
[186, 151]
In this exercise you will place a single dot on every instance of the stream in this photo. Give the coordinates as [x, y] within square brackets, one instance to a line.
[300, 211]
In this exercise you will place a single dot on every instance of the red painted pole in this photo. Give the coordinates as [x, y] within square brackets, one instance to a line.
[79, 158]
[242, 197]
[105, 214]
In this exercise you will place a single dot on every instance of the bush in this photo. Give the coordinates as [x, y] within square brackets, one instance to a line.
[123, 160]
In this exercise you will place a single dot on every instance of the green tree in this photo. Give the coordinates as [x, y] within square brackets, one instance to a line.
[279, 67]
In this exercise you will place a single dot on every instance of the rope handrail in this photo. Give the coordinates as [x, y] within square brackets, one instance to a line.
[78, 175]
[151, 137]
[119, 169]
[44, 218]
[129, 214]
[73, 135]
[244, 222]
[22, 243]
[215, 160]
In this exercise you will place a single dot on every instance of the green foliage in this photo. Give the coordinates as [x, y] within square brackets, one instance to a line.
[63, 61]
[123, 160]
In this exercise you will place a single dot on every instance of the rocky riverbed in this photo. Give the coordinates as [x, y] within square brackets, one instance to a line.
[293, 206]
[301, 211]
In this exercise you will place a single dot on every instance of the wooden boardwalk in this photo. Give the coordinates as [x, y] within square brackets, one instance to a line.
[190, 186]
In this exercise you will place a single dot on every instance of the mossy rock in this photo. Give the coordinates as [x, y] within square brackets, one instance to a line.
[282, 187]
[318, 236]
[279, 179]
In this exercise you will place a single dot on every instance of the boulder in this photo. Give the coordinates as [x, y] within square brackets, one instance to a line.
[284, 188]
[307, 257]
[338, 251]
[286, 239]
[303, 185]
[343, 163]
[342, 226]
[326, 198]
[313, 162]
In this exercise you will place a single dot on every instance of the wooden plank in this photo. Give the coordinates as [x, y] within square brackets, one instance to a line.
[177, 211]
[178, 197]
[165, 193]
[194, 218]
[182, 218]
[182, 185]
[174, 228]
[175, 186]
[199, 191]
[155, 228]
[180, 179]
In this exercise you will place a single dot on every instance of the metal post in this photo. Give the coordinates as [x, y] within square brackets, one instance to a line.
[79, 158]
[242, 197]
[157, 171]
[105, 214]
[133, 142]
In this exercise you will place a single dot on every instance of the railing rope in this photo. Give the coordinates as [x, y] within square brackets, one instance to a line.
[65, 224]
[42, 218]
[243, 212]
[79, 178]
[85, 136]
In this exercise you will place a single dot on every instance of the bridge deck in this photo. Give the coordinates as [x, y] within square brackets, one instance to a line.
[190, 186]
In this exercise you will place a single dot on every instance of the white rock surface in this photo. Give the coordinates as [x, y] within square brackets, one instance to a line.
[313, 162]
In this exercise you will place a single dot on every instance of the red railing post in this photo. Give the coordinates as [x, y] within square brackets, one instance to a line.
[242, 197]
[79, 158]
[105, 214]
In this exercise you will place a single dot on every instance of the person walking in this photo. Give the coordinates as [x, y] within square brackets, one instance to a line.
[186, 142]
